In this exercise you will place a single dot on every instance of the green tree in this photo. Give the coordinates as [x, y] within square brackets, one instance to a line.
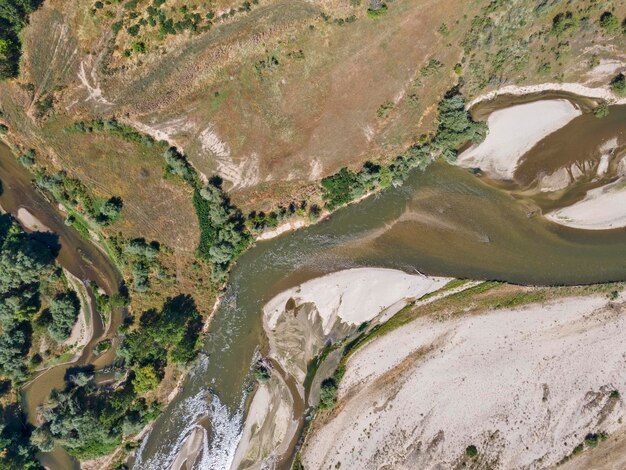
[64, 310]
[609, 22]
[146, 379]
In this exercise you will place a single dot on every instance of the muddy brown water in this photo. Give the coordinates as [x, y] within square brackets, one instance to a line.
[443, 221]
[79, 256]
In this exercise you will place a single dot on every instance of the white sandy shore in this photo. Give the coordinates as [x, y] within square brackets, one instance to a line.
[190, 450]
[354, 295]
[286, 227]
[603, 93]
[30, 222]
[514, 131]
[82, 331]
[523, 385]
[602, 209]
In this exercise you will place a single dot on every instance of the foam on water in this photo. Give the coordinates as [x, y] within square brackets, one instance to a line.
[226, 428]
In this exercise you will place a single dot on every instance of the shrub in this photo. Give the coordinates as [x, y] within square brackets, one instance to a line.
[591, 440]
[471, 451]
[618, 85]
[376, 9]
[261, 374]
[609, 22]
[146, 379]
[64, 310]
[328, 393]
[601, 111]
[564, 23]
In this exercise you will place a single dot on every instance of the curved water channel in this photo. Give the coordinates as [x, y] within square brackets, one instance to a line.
[443, 221]
[81, 258]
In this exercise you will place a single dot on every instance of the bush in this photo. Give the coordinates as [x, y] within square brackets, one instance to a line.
[146, 379]
[618, 85]
[601, 111]
[564, 23]
[609, 22]
[376, 9]
[328, 393]
[261, 374]
[64, 310]
[471, 451]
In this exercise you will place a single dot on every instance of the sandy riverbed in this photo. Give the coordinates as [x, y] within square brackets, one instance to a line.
[353, 296]
[602, 209]
[513, 131]
[523, 385]
[299, 323]
[30, 222]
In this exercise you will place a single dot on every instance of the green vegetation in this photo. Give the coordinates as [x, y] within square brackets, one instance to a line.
[75, 196]
[261, 373]
[26, 264]
[376, 9]
[223, 233]
[564, 23]
[13, 17]
[64, 310]
[601, 111]
[15, 436]
[329, 388]
[618, 85]
[112, 126]
[471, 451]
[609, 22]
[169, 335]
[614, 395]
[455, 129]
[89, 421]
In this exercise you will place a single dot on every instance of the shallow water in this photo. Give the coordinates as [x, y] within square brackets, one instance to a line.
[444, 221]
[77, 255]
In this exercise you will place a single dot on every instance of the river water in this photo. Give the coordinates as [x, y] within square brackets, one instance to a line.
[443, 221]
[79, 256]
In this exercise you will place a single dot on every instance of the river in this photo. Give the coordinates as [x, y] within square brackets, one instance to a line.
[443, 221]
[81, 258]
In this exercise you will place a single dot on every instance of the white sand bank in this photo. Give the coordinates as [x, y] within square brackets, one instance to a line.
[602, 209]
[523, 385]
[82, 331]
[514, 131]
[603, 93]
[190, 450]
[269, 427]
[286, 227]
[354, 295]
[30, 222]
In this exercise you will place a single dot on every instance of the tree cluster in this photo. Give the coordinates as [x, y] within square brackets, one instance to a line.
[73, 193]
[24, 263]
[13, 17]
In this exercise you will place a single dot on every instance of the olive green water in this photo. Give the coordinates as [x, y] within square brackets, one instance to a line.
[444, 221]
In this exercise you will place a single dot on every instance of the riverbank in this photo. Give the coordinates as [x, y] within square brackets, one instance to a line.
[602, 209]
[533, 408]
[513, 131]
[301, 323]
[602, 93]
